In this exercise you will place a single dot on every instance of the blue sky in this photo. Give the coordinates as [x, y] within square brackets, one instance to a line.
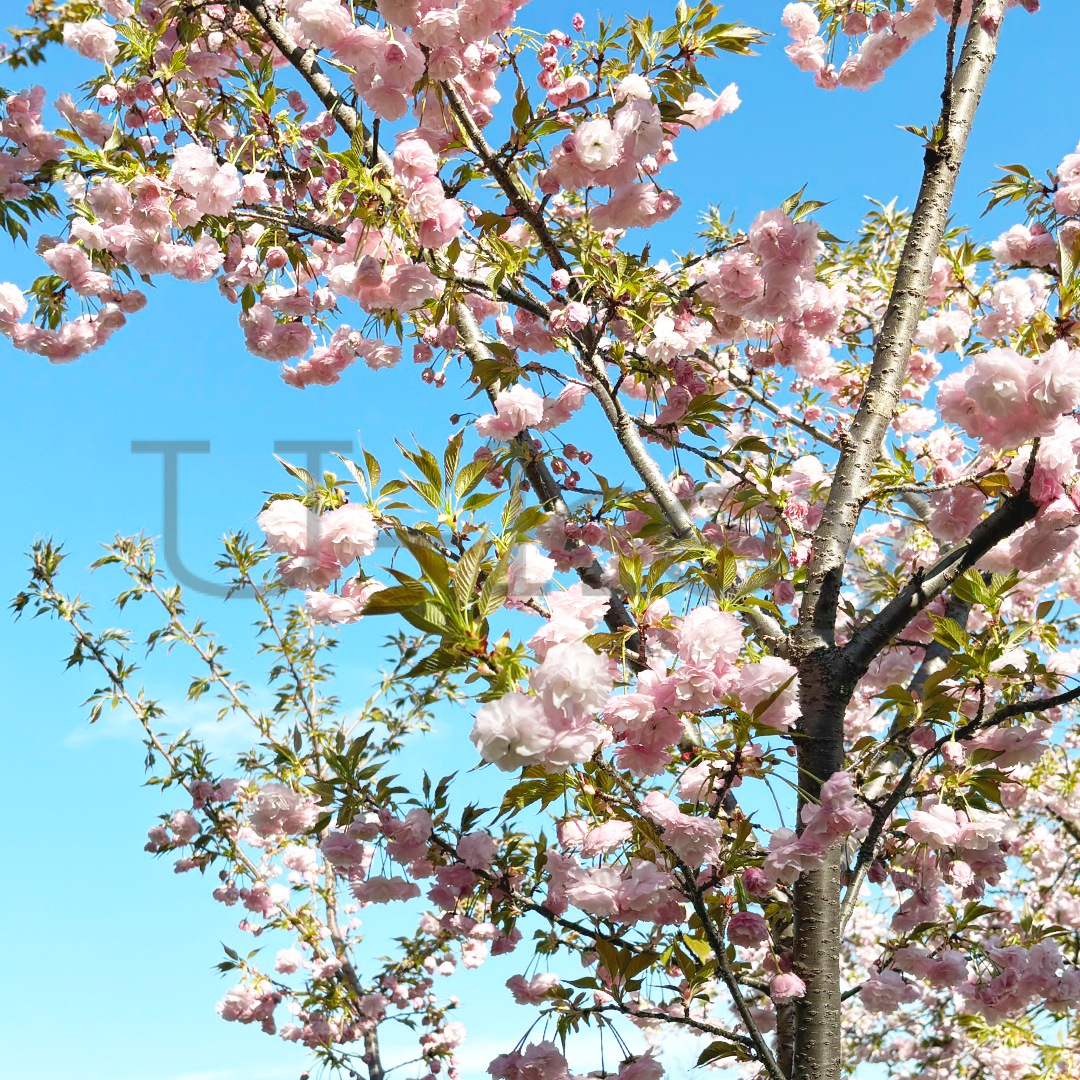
[109, 956]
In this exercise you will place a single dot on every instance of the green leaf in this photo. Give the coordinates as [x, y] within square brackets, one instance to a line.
[716, 1050]
[471, 474]
[451, 455]
[467, 571]
[431, 562]
[396, 598]
[792, 201]
[493, 593]
[302, 475]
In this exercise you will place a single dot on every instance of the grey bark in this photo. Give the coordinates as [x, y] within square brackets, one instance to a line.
[862, 443]
[828, 674]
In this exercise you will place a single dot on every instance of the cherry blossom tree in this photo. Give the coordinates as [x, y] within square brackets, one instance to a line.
[787, 583]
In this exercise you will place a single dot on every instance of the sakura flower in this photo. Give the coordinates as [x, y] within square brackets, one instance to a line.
[747, 928]
[476, 850]
[786, 987]
[515, 409]
[885, 991]
[289, 526]
[93, 39]
[770, 677]
[533, 991]
[383, 890]
[528, 573]
[935, 826]
[573, 680]
[276, 810]
[706, 635]
[350, 530]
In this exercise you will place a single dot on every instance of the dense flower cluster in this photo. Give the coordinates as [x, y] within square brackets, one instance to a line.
[748, 654]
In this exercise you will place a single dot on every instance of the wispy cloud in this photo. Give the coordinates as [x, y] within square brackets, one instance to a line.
[232, 733]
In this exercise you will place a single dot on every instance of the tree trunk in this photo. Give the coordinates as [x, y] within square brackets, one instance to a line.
[828, 674]
[825, 689]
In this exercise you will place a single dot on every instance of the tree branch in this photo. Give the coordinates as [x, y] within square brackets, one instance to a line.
[862, 445]
[924, 585]
[307, 66]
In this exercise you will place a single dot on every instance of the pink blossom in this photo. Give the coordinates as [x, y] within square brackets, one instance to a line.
[1055, 384]
[534, 990]
[331, 608]
[936, 826]
[634, 206]
[383, 890]
[350, 530]
[800, 20]
[288, 960]
[747, 928]
[476, 850]
[528, 573]
[807, 55]
[573, 681]
[184, 826]
[1019, 244]
[538, 1061]
[706, 635]
[633, 86]
[12, 305]
[516, 730]
[790, 855]
[885, 991]
[698, 111]
[93, 39]
[786, 987]
[515, 409]
[944, 331]
[289, 526]
[756, 881]
[325, 22]
[836, 813]
[998, 382]
[637, 124]
[276, 810]
[605, 837]
[598, 145]
[343, 851]
[761, 680]
[645, 1067]
[595, 890]
[694, 838]
[559, 409]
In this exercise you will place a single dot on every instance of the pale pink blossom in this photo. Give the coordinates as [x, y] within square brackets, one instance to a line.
[93, 39]
[383, 890]
[706, 635]
[786, 987]
[529, 571]
[800, 20]
[288, 961]
[350, 530]
[747, 928]
[278, 810]
[515, 409]
[573, 681]
[476, 850]
[289, 527]
[533, 991]
[885, 991]
[770, 677]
